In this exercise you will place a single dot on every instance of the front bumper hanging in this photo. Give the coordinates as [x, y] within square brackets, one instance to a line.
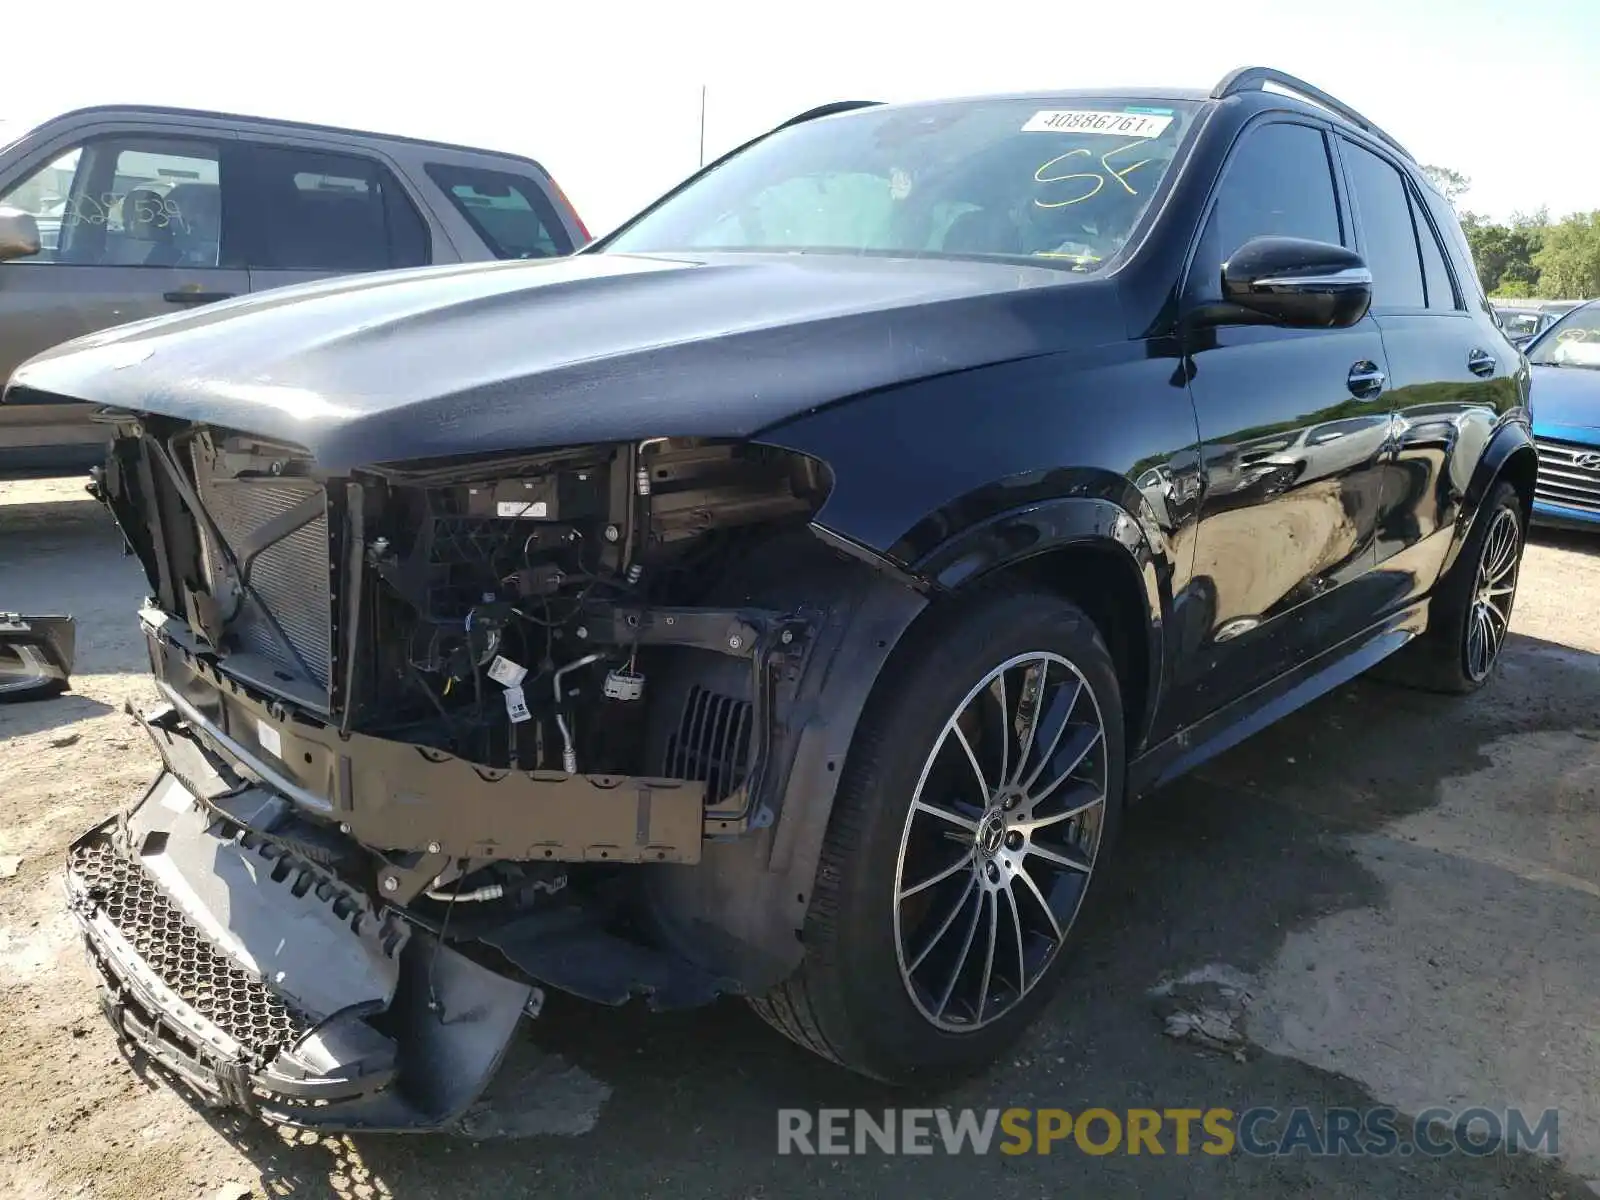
[263, 983]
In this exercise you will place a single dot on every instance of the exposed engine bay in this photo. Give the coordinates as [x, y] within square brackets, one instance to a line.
[450, 719]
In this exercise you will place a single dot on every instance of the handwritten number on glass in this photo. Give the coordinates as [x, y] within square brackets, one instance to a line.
[158, 213]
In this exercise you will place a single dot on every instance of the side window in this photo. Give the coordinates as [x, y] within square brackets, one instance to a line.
[304, 210]
[1448, 225]
[43, 196]
[511, 213]
[1279, 182]
[1441, 293]
[1388, 237]
[127, 201]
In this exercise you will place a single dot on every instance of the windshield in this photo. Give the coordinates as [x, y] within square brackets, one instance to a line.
[1573, 341]
[1057, 181]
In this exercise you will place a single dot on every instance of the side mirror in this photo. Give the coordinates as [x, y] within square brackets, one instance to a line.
[36, 655]
[1299, 283]
[19, 234]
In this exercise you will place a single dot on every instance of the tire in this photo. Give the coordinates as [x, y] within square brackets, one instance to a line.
[1466, 624]
[869, 929]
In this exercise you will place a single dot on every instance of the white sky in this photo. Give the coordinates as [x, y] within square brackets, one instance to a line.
[607, 95]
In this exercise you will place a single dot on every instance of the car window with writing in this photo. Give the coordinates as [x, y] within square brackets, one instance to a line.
[127, 201]
[1057, 184]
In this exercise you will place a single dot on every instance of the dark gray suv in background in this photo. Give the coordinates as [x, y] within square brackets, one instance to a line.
[109, 215]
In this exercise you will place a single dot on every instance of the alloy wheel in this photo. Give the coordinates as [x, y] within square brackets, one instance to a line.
[1496, 587]
[1000, 841]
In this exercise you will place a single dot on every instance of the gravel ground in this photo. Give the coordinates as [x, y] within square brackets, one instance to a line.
[1408, 887]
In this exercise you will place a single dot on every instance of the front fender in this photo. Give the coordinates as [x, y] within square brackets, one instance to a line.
[1135, 550]
[739, 912]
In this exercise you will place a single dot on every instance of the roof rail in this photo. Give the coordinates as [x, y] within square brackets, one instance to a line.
[1255, 79]
[827, 110]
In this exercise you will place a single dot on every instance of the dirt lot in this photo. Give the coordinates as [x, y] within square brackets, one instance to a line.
[1412, 887]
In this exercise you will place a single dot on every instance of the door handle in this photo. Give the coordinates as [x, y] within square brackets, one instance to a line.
[1481, 362]
[1365, 380]
[182, 297]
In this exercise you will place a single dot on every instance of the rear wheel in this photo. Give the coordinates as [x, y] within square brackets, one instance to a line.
[1471, 613]
[979, 799]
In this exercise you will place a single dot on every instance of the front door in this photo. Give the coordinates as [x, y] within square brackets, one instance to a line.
[130, 227]
[1293, 425]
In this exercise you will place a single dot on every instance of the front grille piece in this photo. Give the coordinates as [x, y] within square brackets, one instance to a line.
[1561, 480]
[214, 986]
[711, 743]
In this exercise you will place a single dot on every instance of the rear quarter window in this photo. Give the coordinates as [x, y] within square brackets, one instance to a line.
[510, 212]
[1457, 246]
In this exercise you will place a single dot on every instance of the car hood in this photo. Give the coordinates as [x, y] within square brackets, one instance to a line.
[494, 357]
[1568, 397]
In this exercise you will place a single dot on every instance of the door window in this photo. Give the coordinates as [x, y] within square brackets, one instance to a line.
[511, 213]
[43, 196]
[1278, 183]
[1389, 239]
[304, 210]
[128, 201]
[1441, 292]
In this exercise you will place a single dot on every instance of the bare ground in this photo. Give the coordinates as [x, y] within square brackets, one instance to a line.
[1411, 883]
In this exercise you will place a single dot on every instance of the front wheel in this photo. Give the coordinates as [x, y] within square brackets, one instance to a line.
[979, 799]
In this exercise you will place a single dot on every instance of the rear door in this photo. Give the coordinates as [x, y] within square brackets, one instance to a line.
[1292, 424]
[306, 211]
[1451, 366]
[131, 226]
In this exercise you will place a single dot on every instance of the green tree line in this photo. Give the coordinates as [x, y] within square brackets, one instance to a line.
[1530, 256]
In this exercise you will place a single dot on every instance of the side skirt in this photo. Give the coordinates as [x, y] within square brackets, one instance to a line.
[1271, 702]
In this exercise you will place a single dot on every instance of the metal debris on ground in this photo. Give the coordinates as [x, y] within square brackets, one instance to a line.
[1206, 1006]
[10, 864]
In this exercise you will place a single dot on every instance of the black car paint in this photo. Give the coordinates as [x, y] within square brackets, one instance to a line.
[1117, 410]
[977, 417]
[505, 357]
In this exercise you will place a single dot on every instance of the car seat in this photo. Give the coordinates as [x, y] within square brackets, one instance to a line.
[197, 223]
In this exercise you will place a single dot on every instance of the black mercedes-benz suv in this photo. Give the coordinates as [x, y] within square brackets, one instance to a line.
[785, 595]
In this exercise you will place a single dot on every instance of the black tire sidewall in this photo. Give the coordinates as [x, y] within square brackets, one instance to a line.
[922, 688]
[1463, 587]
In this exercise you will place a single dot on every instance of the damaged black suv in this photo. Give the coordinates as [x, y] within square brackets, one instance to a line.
[781, 597]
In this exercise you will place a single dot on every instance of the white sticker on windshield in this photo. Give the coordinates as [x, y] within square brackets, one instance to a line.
[267, 738]
[1097, 120]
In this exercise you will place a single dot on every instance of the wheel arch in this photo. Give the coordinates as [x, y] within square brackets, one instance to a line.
[1511, 456]
[740, 911]
[1091, 551]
